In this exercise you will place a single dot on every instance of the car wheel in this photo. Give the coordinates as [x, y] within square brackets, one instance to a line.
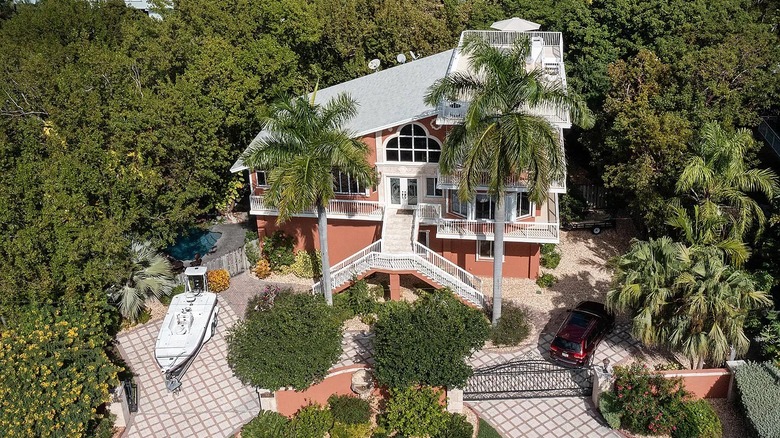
[596, 230]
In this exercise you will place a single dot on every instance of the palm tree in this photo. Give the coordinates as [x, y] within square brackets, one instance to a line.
[501, 133]
[702, 226]
[304, 143]
[717, 178]
[150, 276]
[685, 298]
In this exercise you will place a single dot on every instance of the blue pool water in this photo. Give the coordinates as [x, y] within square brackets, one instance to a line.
[196, 242]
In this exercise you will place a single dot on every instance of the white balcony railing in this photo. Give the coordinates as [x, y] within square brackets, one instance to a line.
[427, 213]
[534, 232]
[483, 180]
[337, 208]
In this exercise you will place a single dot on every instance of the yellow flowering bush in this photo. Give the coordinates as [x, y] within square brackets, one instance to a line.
[263, 268]
[219, 280]
[54, 372]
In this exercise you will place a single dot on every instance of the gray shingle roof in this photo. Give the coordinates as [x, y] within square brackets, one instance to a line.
[388, 97]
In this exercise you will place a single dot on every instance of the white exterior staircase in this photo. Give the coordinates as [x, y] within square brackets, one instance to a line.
[402, 253]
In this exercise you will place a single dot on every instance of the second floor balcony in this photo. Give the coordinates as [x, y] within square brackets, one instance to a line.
[515, 184]
[337, 209]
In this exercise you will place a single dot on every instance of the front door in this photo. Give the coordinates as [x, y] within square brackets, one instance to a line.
[403, 192]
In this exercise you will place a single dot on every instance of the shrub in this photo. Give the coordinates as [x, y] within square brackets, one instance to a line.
[457, 426]
[278, 250]
[428, 341]
[219, 280]
[512, 327]
[769, 337]
[307, 264]
[252, 252]
[267, 424]
[360, 299]
[292, 343]
[486, 430]
[144, 316]
[311, 421]
[341, 430]
[166, 299]
[647, 402]
[610, 410]
[550, 256]
[758, 386]
[546, 280]
[262, 301]
[262, 269]
[699, 421]
[349, 410]
[104, 426]
[415, 412]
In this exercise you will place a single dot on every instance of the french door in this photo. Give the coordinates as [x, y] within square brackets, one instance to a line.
[403, 192]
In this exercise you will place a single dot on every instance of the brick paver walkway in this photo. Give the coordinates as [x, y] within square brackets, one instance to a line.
[211, 403]
[570, 417]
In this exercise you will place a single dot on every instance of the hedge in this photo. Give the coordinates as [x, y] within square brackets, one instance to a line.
[758, 387]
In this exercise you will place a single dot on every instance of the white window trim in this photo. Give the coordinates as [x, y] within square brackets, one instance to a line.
[364, 192]
[435, 183]
[531, 209]
[427, 237]
[257, 184]
[481, 258]
[397, 134]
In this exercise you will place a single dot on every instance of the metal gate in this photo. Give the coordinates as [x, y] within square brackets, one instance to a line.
[527, 379]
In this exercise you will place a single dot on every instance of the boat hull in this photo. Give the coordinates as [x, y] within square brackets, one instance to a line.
[190, 321]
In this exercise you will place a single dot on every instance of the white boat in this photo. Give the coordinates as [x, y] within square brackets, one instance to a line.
[190, 322]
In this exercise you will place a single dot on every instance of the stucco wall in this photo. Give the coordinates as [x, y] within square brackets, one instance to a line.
[709, 383]
[338, 382]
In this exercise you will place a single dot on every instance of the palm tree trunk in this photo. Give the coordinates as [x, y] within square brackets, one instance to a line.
[498, 256]
[322, 224]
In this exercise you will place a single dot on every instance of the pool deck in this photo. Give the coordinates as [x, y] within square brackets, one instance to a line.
[232, 238]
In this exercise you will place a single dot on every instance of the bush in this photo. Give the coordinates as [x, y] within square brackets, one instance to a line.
[486, 430]
[262, 301]
[457, 426]
[311, 422]
[647, 402]
[144, 316]
[699, 421]
[262, 269]
[546, 280]
[360, 299]
[512, 327]
[428, 341]
[219, 280]
[550, 256]
[104, 427]
[290, 343]
[415, 412]
[252, 252]
[166, 299]
[341, 430]
[278, 250]
[758, 386]
[307, 264]
[349, 410]
[610, 410]
[267, 424]
[769, 338]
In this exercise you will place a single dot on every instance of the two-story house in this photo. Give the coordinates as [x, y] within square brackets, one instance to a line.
[412, 222]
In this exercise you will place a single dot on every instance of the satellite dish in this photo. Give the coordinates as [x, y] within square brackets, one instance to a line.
[413, 55]
[373, 64]
[401, 58]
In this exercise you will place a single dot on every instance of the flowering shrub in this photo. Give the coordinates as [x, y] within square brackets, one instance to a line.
[262, 301]
[263, 269]
[219, 280]
[307, 264]
[647, 402]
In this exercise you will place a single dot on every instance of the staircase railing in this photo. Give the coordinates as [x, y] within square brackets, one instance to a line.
[447, 266]
[344, 270]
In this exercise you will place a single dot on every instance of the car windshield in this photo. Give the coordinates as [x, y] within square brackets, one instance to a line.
[567, 345]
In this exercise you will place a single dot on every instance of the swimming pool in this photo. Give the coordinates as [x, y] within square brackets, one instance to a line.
[195, 242]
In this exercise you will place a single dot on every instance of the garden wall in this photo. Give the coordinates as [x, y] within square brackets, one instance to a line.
[709, 383]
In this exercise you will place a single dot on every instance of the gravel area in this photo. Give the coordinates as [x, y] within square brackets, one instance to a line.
[733, 423]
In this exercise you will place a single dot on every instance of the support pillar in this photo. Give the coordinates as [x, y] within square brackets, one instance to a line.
[395, 287]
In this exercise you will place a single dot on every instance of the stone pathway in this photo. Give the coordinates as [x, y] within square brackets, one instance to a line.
[211, 403]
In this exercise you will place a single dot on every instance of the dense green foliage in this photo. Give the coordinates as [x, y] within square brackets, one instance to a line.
[759, 396]
[550, 257]
[546, 280]
[347, 409]
[311, 421]
[428, 341]
[415, 412]
[267, 424]
[699, 421]
[359, 299]
[457, 426]
[292, 342]
[278, 250]
[610, 409]
[50, 366]
[307, 264]
[512, 328]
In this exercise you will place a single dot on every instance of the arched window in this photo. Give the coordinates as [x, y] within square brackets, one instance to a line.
[413, 145]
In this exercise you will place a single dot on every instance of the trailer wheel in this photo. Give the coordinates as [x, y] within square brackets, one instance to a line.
[596, 230]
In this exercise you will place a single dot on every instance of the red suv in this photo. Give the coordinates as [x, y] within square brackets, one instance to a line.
[580, 334]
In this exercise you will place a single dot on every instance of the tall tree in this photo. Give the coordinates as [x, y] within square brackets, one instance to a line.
[303, 144]
[502, 132]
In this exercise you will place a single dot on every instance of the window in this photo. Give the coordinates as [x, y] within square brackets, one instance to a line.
[457, 207]
[261, 178]
[485, 208]
[413, 145]
[484, 249]
[423, 237]
[430, 188]
[344, 183]
[524, 206]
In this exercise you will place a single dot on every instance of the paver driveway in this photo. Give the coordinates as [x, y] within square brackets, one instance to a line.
[212, 403]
